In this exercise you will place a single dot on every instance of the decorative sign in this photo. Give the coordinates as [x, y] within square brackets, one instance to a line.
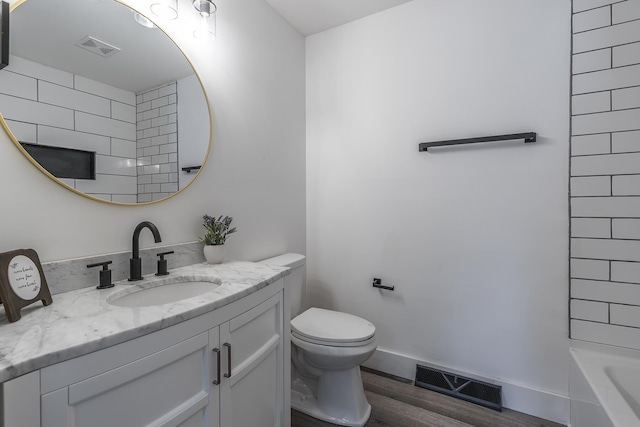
[24, 277]
[22, 282]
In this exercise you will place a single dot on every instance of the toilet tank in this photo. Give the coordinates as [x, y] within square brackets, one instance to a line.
[293, 281]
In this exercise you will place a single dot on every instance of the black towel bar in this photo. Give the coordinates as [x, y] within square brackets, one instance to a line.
[191, 168]
[527, 136]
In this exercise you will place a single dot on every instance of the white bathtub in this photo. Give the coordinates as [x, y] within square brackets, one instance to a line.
[604, 388]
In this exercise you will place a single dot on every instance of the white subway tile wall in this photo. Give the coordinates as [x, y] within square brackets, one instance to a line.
[591, 61]
[591, 227]
[157, 148]
[591, 186]
[590, 19]
[590, 269]
[591, 103]
[47, 106]
[590, 310]
[591, 144]
[625, 142]
[612, 35]
[628, 228]
[625, 11]
[605, 172]
[40, 72]
[626, 54]
[25, 132]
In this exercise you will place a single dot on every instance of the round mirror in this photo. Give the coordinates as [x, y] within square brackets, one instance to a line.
[103, 101]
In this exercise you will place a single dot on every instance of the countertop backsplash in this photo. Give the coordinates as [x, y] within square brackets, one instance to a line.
[69, 275]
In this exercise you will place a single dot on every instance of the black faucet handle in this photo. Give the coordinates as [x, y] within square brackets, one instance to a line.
[104, 264]
[162, 264]
[105, 274]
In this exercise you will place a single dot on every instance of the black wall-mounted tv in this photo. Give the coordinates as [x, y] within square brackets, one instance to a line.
[64, 162]
[4, 34]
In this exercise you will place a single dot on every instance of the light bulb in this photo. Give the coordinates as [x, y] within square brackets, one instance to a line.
[206, 29]
[165, 9]
[143, 20]
[205, 7]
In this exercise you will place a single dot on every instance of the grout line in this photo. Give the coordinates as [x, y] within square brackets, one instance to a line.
[605, 111]
[593, 8]
[611, 228]
[611, 63]
[611, 100]
[611, 185]
[610, 14]
[611, 142]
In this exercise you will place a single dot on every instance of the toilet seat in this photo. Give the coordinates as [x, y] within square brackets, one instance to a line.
[333, 344]
[332, 328]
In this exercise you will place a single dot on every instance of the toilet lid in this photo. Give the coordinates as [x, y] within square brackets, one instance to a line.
[328, 326]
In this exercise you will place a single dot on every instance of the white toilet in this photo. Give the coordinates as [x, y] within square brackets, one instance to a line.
[328, 348]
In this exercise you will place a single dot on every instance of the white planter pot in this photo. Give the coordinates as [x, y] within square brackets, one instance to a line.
[214, 254]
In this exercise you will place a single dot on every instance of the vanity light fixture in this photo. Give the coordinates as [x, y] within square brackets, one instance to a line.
[143, 20]
[165, 9]
[206, 30]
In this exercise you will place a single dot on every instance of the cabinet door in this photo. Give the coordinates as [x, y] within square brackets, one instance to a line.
[18, 403]
[167, 388]
[252, 347]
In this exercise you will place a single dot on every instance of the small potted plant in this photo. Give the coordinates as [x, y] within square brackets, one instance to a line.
[217, 231]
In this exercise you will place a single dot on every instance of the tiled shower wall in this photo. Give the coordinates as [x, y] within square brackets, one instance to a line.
[605, 172]
[52, 107]
[157, 149]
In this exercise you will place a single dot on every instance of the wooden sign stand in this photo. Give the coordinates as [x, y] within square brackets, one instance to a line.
[22, 282]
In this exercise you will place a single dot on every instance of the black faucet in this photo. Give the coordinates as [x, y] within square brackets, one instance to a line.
[135, 263]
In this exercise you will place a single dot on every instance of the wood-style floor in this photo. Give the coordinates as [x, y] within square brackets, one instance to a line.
[398, 404]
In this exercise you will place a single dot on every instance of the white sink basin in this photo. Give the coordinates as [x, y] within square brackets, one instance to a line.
[163, 291]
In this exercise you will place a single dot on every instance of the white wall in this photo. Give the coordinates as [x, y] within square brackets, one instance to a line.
[475, 238]
[254, 76]
[605, 170]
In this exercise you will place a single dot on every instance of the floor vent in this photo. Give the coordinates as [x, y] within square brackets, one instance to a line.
[475, 391]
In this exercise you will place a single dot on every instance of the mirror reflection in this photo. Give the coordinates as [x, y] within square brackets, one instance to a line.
[93, 81]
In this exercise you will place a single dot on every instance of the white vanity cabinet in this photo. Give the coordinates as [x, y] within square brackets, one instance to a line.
[222, 369]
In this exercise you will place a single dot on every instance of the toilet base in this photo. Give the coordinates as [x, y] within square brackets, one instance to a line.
[336, 397]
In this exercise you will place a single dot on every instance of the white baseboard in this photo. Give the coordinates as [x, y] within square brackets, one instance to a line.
[521, 398]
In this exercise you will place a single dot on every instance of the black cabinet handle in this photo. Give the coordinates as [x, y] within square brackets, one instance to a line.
[217, 380]
[228, 374]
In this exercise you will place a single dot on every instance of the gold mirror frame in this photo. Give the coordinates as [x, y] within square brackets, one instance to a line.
[15, 141]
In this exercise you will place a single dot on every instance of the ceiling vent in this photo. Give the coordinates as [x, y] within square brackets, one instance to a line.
[98, 47]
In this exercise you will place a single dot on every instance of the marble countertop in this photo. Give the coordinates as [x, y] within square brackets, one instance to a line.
[82, 321]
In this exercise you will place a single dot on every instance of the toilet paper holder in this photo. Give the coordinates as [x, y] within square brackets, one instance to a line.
[377, 283]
